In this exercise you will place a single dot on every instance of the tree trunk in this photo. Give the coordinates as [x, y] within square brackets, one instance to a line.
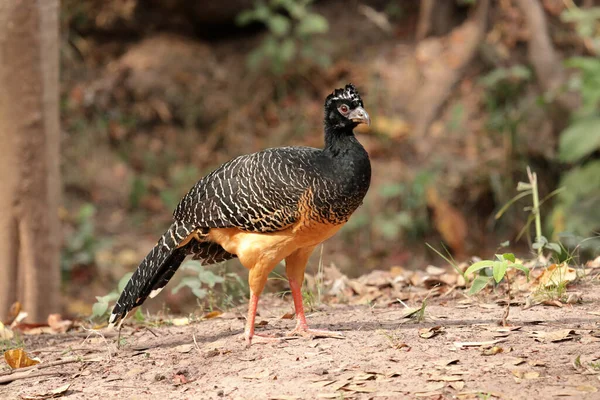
[29, 157]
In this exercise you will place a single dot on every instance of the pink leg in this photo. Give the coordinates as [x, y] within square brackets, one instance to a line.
[249, 334]
[302, 328]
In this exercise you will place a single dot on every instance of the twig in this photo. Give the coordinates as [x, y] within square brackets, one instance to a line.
[196, 343]
[25, 375]
[48, 365]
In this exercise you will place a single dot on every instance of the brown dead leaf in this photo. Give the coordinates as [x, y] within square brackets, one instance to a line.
[444, 363]
[5, 332]
[586, 388]
[428, 333]
[52, 394]
[57, 324]
[212, 314]
[492, 351]
[288, 315]
[259, 375]
[358, 389]
[17, 358]
[445, 378]
[526, 374]
[184, 348]
[554, 336]
[458, 385]
[262, 323]
[478, 344]
[555, 274]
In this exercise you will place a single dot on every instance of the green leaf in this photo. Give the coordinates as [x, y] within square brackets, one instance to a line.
[245, 17]
[521, 268]
[194, 265]
[312, 24]
[123, 281]
[199, 293]
[555, 247]
[478, 284]
[210, 278]
[191, 282]
[478, 266]
[509, 256]
[287, 51]
[499, 270]
[99, 309]
[580, 139]
[279, 25]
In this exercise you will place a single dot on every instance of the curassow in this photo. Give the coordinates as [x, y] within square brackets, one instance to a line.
[265, 207]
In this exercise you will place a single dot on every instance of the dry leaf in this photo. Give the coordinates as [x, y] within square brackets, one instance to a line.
[526, 374]
[478, 344]
[587, 388]
[555, 274]
[259, 375]
[443, 363]
[492, 351]
[184, 348]
[57, 324]
[287, 316]
[554, 336]
[5, 333]
[17, 358]
[358, 389]
[212, 314]
[428, 333]
[180, 321]
[458, 385]
[54, 393]
[445, 378]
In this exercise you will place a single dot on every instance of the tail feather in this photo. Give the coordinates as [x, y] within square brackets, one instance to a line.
[155, 270]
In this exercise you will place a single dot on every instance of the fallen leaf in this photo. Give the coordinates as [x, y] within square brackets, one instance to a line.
[259, 375]
[358, 389]
[526, 374]
[363, 377]
[492, 351]
[180, 321]
[555, 274]
[283, 397]
[445, 378]
[432, 387]
[478, 344]
[17, 358]
[57, 324]
[212, 314]
[428, 333]
[554, 336]
[587, 388]
[443, 363]
[458, 385]
[262, 323]
[52, 394]
[184, 348]
[288, 315]
[5, 333]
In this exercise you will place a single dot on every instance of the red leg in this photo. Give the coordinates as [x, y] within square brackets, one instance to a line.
[249, 329]
[302, 328]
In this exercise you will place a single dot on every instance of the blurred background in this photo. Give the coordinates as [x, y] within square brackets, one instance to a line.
[463, 95]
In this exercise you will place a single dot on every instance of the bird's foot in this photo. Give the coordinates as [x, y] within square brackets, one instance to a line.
[261, 338]
[305, 331]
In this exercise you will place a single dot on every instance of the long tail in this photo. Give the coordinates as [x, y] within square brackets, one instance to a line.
[155, 271]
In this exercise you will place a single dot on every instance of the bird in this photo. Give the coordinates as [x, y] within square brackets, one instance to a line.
[263, 208]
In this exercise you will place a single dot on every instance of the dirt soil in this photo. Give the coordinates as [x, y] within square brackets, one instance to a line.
[384, 355]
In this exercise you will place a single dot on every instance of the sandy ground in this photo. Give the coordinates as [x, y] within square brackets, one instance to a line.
[383, 355]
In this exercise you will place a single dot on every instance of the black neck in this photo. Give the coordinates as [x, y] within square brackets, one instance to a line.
[339, 140]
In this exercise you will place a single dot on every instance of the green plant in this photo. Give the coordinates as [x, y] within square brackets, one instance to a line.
[531, 189]
[101, 307]
[498, 268]
[82, 244]
[292, 28]
[586, 23]
[195, 283]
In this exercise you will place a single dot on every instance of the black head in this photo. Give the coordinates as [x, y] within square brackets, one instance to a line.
[344, 110]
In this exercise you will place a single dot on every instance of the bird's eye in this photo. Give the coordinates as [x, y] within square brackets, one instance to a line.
[343, 109]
